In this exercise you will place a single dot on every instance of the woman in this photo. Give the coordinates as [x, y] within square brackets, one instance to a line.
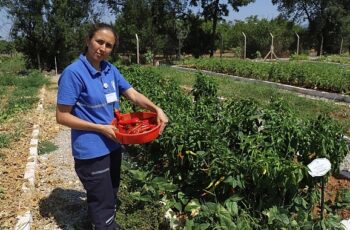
[88, 93]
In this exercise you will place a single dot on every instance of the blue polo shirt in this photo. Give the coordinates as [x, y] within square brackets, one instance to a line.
[94, 95]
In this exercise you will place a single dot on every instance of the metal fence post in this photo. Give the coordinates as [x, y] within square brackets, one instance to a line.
[137, 50]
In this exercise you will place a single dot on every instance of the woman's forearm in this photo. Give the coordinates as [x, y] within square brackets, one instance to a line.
[64, 117]
[74, 122]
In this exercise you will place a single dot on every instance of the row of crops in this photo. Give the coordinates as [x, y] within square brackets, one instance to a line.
[341, 59]
[327, 77]
[18, 93]
[231, 164]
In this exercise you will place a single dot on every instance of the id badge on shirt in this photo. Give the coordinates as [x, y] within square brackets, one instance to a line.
[111, 97]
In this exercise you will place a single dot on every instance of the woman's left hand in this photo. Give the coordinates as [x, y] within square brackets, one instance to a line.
[139, 99]
[162, 119]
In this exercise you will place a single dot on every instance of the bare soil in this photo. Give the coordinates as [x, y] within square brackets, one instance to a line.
[12, 163]
[13, 159]
[335, 184]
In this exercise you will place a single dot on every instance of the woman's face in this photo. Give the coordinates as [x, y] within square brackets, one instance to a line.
[100, 46]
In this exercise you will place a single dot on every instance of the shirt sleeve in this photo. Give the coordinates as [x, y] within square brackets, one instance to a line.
[69, 88]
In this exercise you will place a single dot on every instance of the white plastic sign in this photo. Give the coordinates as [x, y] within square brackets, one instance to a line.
[319, 167]
[346, 224]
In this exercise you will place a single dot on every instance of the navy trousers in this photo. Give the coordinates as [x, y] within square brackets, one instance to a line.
[101, 178]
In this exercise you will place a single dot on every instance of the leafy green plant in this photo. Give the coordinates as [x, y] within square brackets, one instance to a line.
[231, 164]
[24, 91]
[137, 209]
[149, 57]
[204, 87]
[343, 198]
[12, 65]
[258, 54]
[305, 74]
[46, 147]
[299, 57]
[2, 193]
[342, 59]
[5, 140]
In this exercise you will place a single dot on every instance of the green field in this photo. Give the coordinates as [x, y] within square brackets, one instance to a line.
[304, 107]
[220, 162]
[18, 93]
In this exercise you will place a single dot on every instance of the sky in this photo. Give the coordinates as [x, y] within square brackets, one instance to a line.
[261, 8]
[5, 25]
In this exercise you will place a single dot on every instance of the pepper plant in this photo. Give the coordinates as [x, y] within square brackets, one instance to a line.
[232, 164]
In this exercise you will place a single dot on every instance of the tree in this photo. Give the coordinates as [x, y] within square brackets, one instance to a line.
[213, 11]
[198, 39]
[167, 15]
[115, 6]
[28, 28]
[340, 15]
[300, 10]
[6, 47]
[67, 23]
[153, 20]
[41, 28]
[326, 19]
[182, 30]
[258, 36]
[345, 32]
[134, 18]
[224, 30]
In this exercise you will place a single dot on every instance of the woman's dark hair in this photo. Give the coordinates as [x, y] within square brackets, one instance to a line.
[100, 26]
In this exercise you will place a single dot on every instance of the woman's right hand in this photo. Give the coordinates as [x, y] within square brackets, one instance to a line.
[108, 131]
[65, 117]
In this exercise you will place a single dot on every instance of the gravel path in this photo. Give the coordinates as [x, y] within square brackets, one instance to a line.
[59, 197]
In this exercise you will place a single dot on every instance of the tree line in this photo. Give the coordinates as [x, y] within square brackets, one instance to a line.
[49, 30]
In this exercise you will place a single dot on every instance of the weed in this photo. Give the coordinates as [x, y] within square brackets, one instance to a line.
[4, 140]
[2, 193]
[46, 147]
[133, 214]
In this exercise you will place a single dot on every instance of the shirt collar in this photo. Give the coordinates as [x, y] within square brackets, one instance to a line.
[105, 66]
